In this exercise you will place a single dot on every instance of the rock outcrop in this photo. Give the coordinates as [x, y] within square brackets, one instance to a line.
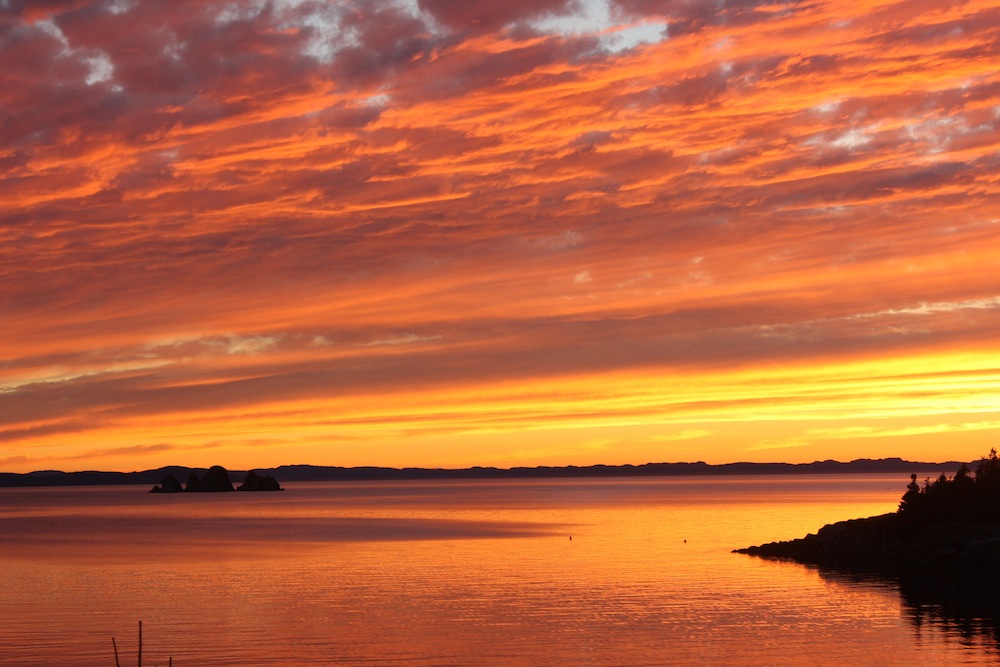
[214, 480]
[886, 545]
[168, 484]
[255, 482]
[193, 482]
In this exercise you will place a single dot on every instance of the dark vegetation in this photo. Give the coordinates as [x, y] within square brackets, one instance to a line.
[948, 528]
[216, 480]
[963, 498]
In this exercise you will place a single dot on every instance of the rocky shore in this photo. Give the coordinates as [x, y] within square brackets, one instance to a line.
[946, 530]
[887, 545]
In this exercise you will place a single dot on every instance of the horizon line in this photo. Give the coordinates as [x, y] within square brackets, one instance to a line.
[893, 460]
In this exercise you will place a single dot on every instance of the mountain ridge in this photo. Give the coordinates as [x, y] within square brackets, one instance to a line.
[313, 473]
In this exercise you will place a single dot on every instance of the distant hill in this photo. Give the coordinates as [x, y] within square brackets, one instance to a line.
[309, 473]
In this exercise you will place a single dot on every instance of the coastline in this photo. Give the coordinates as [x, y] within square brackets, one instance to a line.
[884, 545]
[311, 473]
[947, 530]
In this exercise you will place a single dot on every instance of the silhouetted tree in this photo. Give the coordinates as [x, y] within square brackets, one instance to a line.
[988, 486]
[912, 505]
[963, 498]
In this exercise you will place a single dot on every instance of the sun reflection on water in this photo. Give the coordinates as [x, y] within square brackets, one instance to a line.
[479, 573]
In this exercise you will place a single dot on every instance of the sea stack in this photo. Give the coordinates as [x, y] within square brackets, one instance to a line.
[255, 482]
[168, 484]
[215, 480]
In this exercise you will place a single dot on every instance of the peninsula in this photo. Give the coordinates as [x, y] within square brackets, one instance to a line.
[948, 528]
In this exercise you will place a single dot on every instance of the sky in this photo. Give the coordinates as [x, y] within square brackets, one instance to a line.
[445, 234]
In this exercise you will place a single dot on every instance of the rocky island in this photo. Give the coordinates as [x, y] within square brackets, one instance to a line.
[946, 529]
[215, 480]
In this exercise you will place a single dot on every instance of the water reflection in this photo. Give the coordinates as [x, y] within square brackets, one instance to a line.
[157, 538]
[437, 574]
[962, 613]
[967, 612]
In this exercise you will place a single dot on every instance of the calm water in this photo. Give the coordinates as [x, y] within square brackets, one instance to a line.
[457, 573]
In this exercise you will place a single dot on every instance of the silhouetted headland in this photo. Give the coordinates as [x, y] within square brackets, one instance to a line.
[310, 473]
[216, 480]
[948, 528]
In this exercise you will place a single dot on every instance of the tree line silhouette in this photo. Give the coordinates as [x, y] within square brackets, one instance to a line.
[963, 498]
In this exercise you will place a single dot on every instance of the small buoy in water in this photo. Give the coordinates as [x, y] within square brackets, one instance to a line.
[685, 541]
[570, 538]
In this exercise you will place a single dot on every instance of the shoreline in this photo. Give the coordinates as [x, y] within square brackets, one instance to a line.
[885, 545]
[945, 531]
[311, 473]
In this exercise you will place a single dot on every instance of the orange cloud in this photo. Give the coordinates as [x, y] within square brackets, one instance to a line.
[406, 235]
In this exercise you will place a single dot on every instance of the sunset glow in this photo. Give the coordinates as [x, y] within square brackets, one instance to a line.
[432, 233]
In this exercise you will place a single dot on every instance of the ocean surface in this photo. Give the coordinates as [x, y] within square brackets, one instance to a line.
[536, 573]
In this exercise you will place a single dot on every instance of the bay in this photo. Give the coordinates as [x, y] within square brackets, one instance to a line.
[540, 572]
